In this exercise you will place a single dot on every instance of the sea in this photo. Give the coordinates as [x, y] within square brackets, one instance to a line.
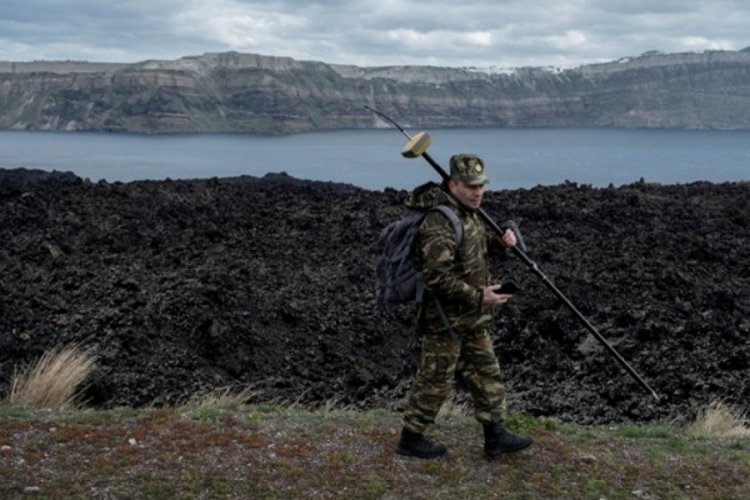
[371, 159]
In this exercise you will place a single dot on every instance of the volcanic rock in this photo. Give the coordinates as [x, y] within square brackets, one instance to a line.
[184, 286]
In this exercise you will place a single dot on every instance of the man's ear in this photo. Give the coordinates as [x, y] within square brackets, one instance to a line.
[452, 185]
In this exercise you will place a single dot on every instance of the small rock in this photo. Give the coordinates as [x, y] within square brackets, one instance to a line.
[588, 459]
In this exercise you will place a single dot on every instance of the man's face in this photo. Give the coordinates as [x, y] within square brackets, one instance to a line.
[470, 196]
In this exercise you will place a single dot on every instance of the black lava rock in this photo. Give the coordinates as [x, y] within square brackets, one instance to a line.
[183, 286]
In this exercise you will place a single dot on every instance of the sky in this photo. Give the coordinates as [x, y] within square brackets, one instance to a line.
[479, 33]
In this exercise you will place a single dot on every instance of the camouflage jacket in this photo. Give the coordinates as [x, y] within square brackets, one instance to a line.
[453, 275]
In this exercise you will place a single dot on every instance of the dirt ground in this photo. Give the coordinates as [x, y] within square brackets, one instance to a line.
[185, 286]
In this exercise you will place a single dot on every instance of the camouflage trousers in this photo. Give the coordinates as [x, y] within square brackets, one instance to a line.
[472, 357]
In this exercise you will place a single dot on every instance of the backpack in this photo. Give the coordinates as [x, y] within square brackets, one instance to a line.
[399, 280]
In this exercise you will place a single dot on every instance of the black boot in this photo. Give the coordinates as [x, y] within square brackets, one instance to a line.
[498, 440]
[413, 444]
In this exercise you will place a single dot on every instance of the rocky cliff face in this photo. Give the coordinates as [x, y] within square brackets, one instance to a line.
[233, 92]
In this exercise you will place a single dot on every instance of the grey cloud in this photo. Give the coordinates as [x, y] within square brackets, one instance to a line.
[372, 32]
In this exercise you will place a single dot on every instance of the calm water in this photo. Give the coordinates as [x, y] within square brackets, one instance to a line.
[371, 158]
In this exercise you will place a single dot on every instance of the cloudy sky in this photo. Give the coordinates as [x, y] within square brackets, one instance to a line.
[502, 33]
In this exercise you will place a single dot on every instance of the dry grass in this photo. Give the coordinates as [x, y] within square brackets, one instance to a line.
[719, 420]
[53, 380]
[223, 398]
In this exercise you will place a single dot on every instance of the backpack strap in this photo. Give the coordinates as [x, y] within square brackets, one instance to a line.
[458, 232]
[458, 228]
[444, 317]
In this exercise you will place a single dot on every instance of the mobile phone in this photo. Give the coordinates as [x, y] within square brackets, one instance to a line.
[508, 288]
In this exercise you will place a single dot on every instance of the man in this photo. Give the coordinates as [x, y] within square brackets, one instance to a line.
[454, 329]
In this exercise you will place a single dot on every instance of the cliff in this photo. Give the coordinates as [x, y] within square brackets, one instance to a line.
[234, 92]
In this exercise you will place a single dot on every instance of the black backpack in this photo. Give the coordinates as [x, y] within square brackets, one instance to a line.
[399, 280]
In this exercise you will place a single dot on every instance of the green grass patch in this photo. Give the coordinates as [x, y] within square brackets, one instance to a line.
[272, 451]
[653, 431]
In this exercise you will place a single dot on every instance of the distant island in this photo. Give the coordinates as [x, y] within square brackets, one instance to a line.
[250, 93]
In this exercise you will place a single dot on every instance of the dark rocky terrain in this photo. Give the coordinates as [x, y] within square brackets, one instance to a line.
[183, 286]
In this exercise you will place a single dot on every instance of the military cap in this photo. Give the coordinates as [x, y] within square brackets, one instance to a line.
[469, 169]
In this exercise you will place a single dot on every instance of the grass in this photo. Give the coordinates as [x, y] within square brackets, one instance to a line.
[272, 451]
[53, 381]
[721, 421]
[223, 398]
[219, 446]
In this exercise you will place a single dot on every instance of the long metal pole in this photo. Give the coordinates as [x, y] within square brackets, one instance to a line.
[535, 268]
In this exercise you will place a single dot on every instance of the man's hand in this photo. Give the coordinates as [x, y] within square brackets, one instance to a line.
[491, 299]
[508, 239]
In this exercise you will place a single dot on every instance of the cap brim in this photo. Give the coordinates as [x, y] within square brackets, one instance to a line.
[475, 181]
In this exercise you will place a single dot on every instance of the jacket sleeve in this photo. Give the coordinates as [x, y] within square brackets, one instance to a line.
[437, 250]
